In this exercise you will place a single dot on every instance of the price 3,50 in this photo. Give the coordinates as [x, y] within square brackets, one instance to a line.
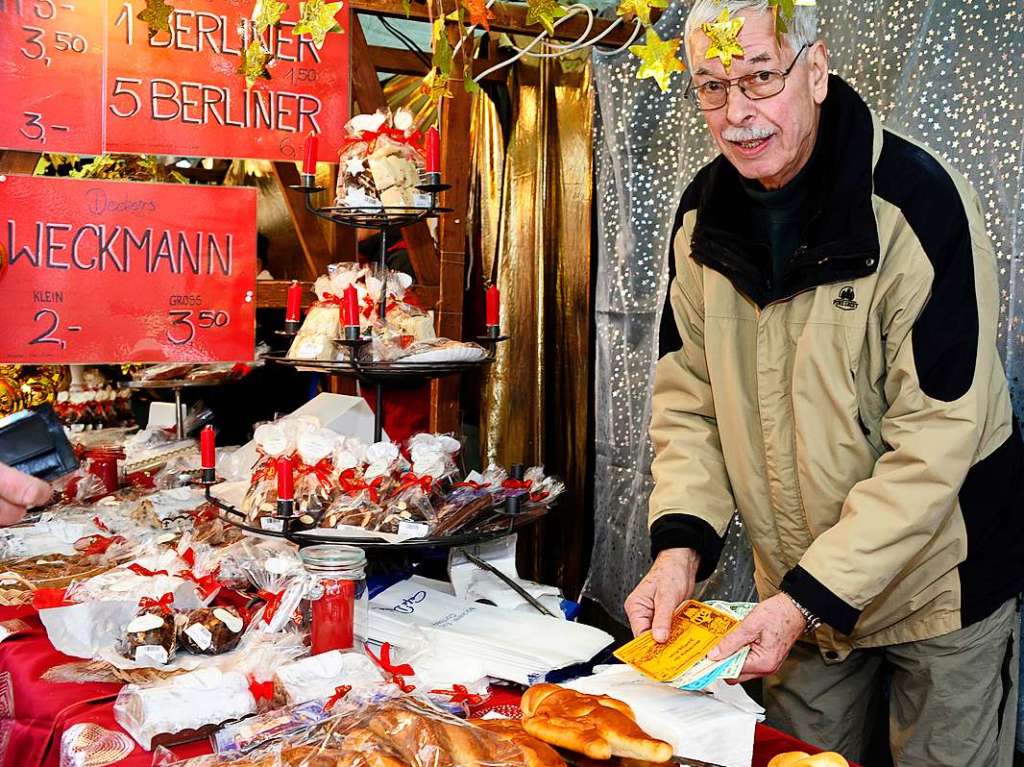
[185, 323]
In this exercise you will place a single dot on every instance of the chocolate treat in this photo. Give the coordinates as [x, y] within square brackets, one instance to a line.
[211, 630]
[151, 637]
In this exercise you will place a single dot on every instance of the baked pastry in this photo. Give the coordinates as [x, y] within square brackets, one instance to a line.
[595, 725]
[536, 753]
[803, 759]
[151, 637]
[211, 630]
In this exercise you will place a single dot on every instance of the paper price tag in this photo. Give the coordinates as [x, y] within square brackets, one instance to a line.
[696, 628]
[412, 530]
[270, 523]
[201, 635]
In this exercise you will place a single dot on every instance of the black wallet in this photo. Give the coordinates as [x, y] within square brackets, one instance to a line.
[34, 442]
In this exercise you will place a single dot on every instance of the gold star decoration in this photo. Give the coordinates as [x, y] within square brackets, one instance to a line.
[658, 59]
[722, 34]
[479, 13]
[640, 8]
[267, 13]
[254, 64]
[317, 19]
[156, 14]
[435, 86]
[544, 12]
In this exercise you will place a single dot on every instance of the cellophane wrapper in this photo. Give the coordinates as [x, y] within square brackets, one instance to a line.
[400, 732]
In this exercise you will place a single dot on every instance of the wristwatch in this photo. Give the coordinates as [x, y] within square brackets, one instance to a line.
[813, 621]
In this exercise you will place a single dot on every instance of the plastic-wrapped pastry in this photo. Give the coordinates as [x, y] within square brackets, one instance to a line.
[151, 636]
[211, 631]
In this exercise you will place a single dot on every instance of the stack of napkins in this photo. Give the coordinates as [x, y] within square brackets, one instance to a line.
[715, 726]
[516, 646]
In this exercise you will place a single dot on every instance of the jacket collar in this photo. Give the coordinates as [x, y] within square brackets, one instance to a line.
[839, 237]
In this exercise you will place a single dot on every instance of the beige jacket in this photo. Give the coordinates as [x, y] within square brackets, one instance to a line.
[861, 424]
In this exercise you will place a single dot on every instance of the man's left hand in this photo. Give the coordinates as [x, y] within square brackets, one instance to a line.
[771, 630]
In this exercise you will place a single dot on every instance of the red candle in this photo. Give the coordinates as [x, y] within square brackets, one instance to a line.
[294, 310]
[309, 159]
[285, 481]
[432, 145]
[208, 447]
[493, 306]
[351, 306]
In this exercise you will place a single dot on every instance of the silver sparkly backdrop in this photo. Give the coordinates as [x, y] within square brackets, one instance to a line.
[948, 73]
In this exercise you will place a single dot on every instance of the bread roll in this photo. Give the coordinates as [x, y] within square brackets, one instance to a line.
[536, 753]
[595, 725]
[803, 759]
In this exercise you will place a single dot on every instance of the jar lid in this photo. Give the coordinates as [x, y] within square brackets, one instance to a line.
[332, 556]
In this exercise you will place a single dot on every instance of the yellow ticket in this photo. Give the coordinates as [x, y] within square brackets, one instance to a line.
[696, 628]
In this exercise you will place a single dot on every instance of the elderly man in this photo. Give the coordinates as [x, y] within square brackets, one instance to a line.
[836, 380]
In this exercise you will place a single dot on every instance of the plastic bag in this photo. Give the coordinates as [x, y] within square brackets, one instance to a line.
[380, 163]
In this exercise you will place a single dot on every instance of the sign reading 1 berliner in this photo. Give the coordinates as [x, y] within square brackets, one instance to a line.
[116, 271]
[195, 78]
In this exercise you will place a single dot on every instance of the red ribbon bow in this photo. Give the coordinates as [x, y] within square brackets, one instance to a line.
[98, 544]
[273, 602]
[267, 471]
[207, 513]
[207, 584]
[261, 690]
[472, 484]
[517, 484]
[395, 674]
[43, 599]
[410, 480]
[189, 557]
[140, 570]
[352, 484]
[100, 524]
[322, 470]
[459, 694]
[330, 299]
[370, 138]
[339, 692]
[165, 603]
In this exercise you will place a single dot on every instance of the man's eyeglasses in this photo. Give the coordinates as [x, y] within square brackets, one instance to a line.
[713, 94]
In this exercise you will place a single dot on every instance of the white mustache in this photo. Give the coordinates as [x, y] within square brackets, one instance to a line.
[746, 134]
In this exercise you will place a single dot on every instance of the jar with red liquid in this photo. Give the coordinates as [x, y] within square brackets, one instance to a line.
[338, 601]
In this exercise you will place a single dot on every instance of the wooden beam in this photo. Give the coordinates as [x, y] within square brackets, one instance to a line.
[273, 294]
[315, 252]
[402, 62]
[23, 163]
[368, 93]
[507, 18]
[456, 115]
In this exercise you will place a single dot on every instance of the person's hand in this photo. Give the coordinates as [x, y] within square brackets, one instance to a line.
[18, 493]
[667, 585]
[771, 630]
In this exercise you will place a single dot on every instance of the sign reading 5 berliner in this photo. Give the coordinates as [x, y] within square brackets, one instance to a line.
[199, 78]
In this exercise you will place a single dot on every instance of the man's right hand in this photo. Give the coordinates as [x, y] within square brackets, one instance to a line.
[667, 585]
[19, 492]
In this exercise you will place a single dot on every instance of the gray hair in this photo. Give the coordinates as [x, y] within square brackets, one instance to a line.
[803, 27]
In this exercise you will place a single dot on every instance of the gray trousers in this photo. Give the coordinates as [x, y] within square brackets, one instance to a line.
[952, 700]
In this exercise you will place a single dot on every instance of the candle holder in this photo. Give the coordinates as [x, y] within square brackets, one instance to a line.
[285, 513]
[208, 477]
[352, 334]
[307, 184]
[291, 327]
[493, 332]
[512, 505]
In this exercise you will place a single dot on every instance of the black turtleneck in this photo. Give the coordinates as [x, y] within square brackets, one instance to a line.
[775, 220]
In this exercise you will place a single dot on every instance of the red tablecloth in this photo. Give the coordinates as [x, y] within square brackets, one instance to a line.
[34, 714]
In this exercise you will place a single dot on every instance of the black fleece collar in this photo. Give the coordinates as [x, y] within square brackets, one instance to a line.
[839, 239]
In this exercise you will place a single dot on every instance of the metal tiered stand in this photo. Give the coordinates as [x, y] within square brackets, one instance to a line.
[503, 519]
[397, 372]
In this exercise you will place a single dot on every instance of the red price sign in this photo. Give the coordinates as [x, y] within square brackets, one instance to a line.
[113, 271]
[87, 77]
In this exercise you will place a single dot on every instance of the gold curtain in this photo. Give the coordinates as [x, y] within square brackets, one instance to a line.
[535, 407]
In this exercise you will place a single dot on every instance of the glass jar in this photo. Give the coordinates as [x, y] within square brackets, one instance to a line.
[337, 598]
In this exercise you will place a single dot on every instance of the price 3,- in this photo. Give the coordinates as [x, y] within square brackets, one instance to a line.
[49, 322]
[185, 323]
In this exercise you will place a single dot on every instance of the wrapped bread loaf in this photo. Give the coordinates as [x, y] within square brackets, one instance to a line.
[595, 725]
[536, 753]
